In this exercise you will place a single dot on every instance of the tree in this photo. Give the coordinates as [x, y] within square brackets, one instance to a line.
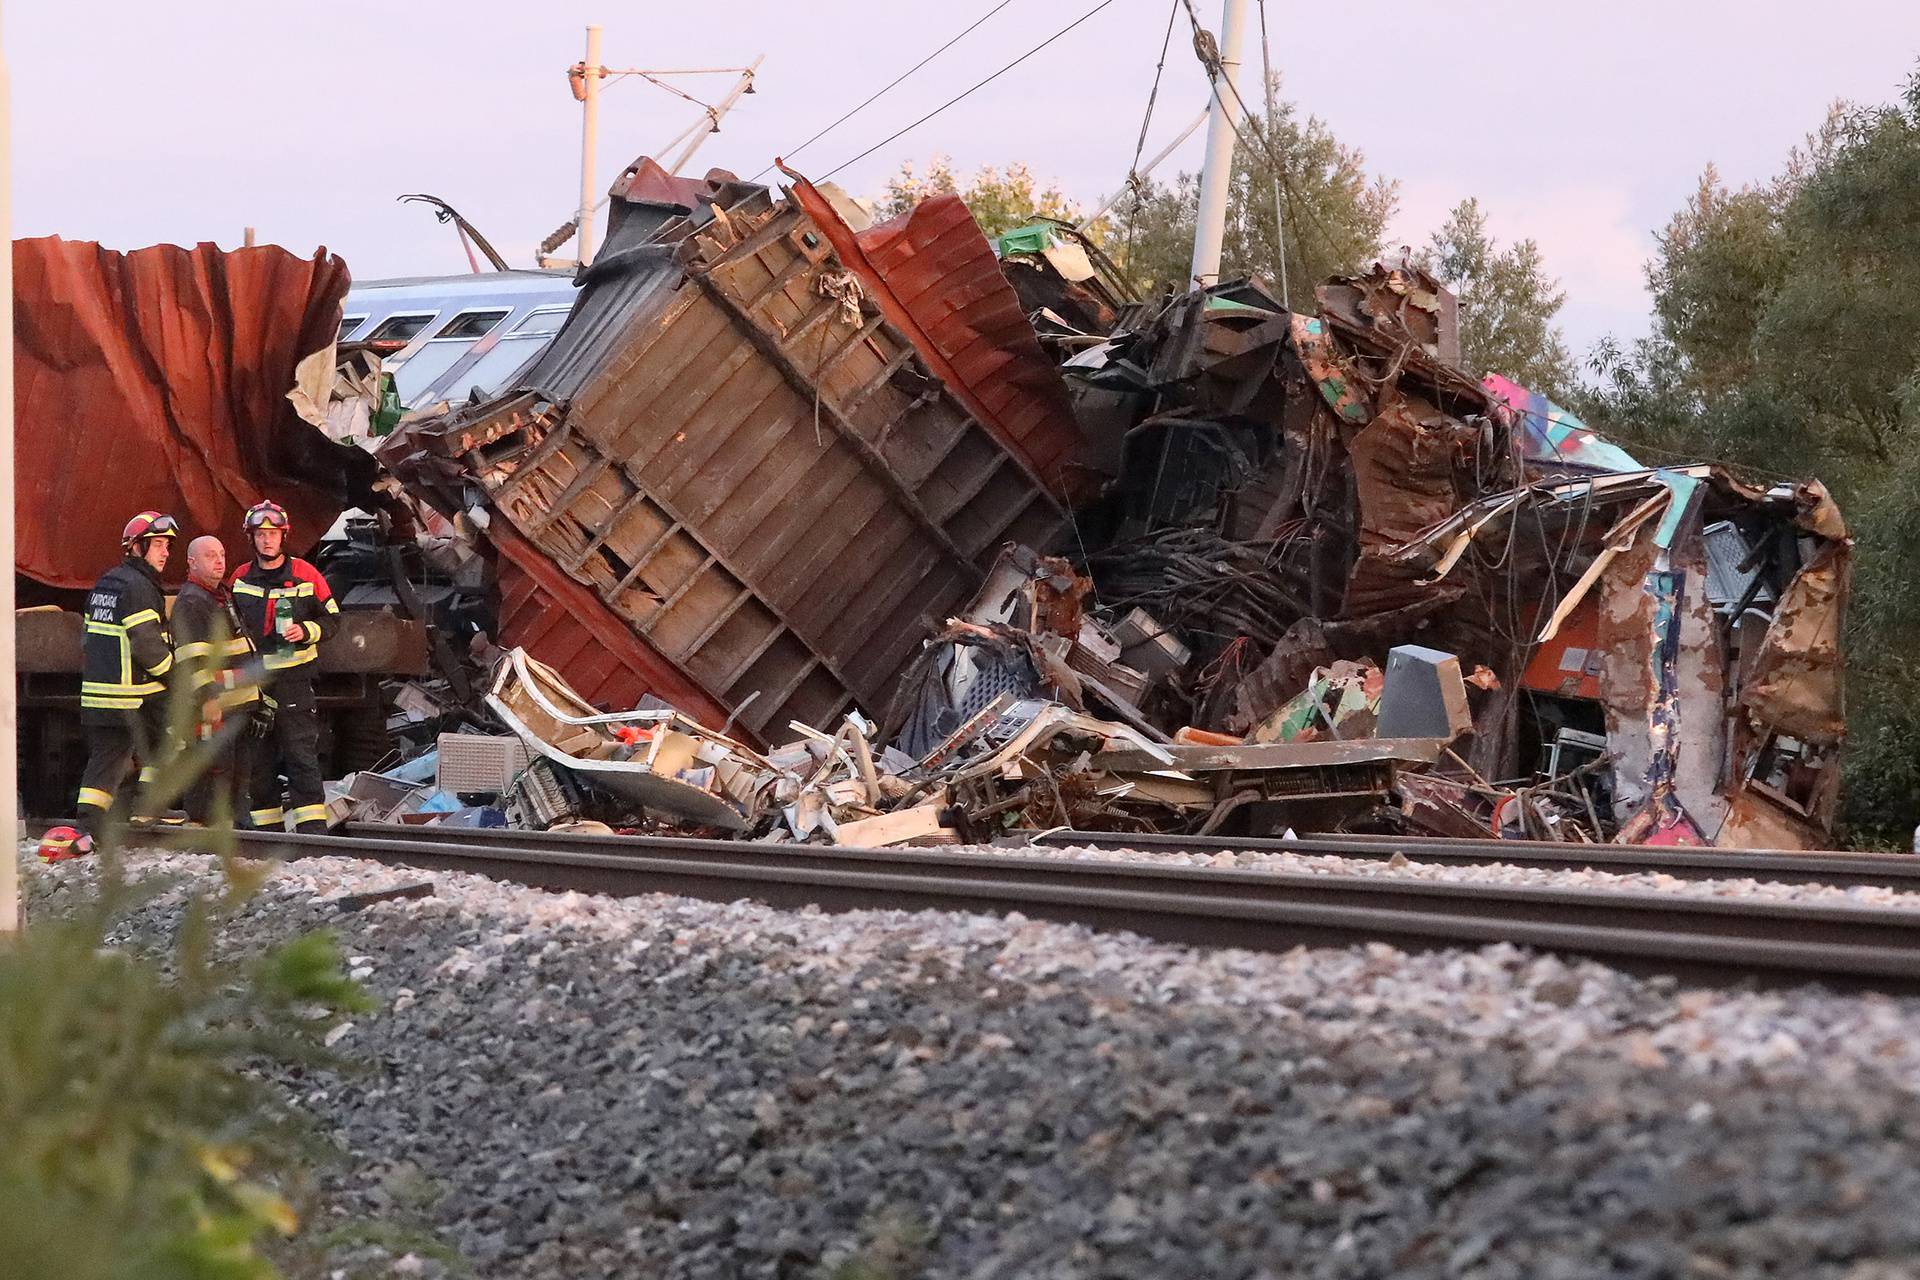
[1786, 337]
[1335, 215]
[1507, 303]
[999, 199]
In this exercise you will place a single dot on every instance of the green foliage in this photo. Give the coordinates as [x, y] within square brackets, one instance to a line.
[1335, 215]
[137, 1143]
[999, 199]
[1787, 340]
[1507, 303]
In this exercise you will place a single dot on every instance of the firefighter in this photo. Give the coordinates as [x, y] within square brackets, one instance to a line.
[216, 666]
[286, 609]
[124, 658]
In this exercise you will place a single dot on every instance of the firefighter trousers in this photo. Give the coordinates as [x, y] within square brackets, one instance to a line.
[231, 773]
[115, 739]
[292, 747]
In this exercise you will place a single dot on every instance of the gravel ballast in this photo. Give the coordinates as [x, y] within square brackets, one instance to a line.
[567, 1086]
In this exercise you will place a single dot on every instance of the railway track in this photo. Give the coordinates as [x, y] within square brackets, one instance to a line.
[1884, 870]
[1705, 940]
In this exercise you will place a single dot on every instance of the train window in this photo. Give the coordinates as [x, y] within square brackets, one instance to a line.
[542, 324]
[471, 325]
[401, 329]
[348, 325]
[517, 348]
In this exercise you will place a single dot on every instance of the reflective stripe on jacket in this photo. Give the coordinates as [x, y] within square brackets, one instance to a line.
[212, 656]
[124, 651]
[268, 599]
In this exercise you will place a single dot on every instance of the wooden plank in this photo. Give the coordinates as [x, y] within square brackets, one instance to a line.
[852, 403]
[629, 419]
[741, 456]
[607, 526]
[556, 436]
[965, 494]
[845, 505]
[682, 618]
[816, 489]
[729, 563]
[831, 413]
[776, 702]
[638, 564]
[905, 570]
[820, 313]
[672, 598]
[733, 409]
[645, 327]
[868, 562]
[893, 828]
[678, 408]
[759, 651]
[778, 281]
[766, 486]
[721, 618]
[562, 503]
[685, 339]
[853, 339]
[903, 621]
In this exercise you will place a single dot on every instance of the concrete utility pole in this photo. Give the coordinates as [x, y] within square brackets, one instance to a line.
[1216, 173]
[9, 708]
[592, 74]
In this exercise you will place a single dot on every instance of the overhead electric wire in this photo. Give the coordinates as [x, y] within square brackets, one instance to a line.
[788, 155]
[1217, 73]
[899, 133]
[1153, 94]
[1279, 219]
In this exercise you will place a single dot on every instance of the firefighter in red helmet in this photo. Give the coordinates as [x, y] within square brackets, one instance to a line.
[287, 609]
[125, 656]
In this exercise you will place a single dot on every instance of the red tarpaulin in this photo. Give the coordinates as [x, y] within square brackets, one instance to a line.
[158, 379]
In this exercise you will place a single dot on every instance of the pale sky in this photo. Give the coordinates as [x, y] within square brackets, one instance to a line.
[1582, 126]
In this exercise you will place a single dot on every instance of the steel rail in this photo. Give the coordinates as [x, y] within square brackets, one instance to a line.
[1899, 871]
[1713, 940]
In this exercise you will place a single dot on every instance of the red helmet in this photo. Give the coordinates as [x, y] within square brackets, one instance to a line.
[267, 515]
[148, 524]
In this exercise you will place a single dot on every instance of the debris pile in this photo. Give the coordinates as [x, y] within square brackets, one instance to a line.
[807, 528]
[989, 543]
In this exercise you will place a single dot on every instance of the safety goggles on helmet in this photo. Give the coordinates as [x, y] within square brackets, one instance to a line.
[267, 515]
[149, 524]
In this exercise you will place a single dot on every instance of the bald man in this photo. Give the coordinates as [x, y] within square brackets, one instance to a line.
[215, 665]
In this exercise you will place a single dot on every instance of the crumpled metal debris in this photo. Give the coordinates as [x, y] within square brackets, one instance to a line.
[895, 597]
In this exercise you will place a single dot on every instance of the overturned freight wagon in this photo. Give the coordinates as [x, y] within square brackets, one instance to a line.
[732, 482]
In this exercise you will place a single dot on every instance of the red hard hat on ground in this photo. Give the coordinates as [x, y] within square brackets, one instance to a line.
[148, 524]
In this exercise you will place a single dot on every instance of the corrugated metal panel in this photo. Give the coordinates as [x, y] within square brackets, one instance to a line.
[767, 486]
[158, 379]
[936, 279]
